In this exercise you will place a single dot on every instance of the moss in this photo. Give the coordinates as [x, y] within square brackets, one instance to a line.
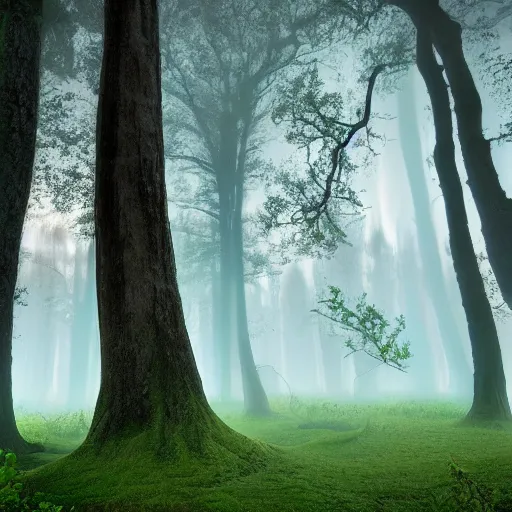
[396, 460]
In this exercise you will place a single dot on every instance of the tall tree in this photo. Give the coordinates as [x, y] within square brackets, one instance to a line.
[20, 52]
[434, 282]
[225, 59]
[490, 399]
[150, 389]
[313, 120]
[492, 203]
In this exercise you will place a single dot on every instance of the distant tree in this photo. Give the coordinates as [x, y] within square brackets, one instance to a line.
[434, 280]
[83, 324]
[20, 49]
[222, 61]
[297, 330]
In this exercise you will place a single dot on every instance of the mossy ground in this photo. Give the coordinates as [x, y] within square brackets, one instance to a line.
[383, 457]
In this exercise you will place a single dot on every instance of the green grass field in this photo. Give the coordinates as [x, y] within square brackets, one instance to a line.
[329, 457]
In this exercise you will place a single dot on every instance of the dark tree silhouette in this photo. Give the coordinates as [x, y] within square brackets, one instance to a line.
[20, 53]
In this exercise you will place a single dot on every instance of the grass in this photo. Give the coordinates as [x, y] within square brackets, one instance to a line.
[330, 457]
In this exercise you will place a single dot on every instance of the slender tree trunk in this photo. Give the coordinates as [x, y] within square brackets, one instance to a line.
[216, 326]
[331, 359]
[494, 208]
[329, 344]
[460, 372]
[225, 305]
[255, 398]
[20, 52]
[490, 399]
[423, 369]
[151, 394]
[81, 330]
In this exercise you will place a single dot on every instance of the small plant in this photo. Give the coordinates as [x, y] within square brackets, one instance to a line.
[11, 499]
[369, 326]
[464, 495]
[7, 471]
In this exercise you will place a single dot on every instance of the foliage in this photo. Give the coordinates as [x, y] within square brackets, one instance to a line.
[20, 293]
[370, 328]
[64, 167]
[11, 498]
[499, 307]
[464, 495]
[65, 157]
[402, 452]
[39, 428]
[7, 471]
[313, 197]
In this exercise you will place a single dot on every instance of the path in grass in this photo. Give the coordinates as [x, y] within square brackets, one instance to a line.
[393, 459]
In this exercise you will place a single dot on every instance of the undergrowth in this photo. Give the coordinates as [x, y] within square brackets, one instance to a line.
[402, 456]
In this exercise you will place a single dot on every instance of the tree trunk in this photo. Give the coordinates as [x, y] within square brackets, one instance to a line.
[81, 330]
[434, 282]
[255, 398]
[225, 305]
[490, 394]
[329, 343]
[422, 366]
[20, 53]
[150, 394]
[494, 208]
[216, 322]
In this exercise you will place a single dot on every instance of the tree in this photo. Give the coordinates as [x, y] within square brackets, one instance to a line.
[493, 205]
[435, 283]
[225, 59]
[151, 393]
[490, 399]
[20, 49]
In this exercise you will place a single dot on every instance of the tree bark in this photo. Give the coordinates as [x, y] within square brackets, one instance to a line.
[494, 208]
[460, 372]
[20, 53]
[151, 393]
[490, 399]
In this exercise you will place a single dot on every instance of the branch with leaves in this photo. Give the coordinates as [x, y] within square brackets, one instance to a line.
[372, 334]
[313, 202]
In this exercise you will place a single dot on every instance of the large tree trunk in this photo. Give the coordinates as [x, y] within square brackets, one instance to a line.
[494, 208]
[460, 372]
[20, 52]
[151, 394]
[490, 395]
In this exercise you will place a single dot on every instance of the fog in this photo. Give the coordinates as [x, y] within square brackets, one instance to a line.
[56, 353]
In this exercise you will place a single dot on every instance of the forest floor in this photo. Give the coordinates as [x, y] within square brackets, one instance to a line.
[409, 456]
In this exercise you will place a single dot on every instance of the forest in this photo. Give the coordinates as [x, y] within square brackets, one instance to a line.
[254, 255]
